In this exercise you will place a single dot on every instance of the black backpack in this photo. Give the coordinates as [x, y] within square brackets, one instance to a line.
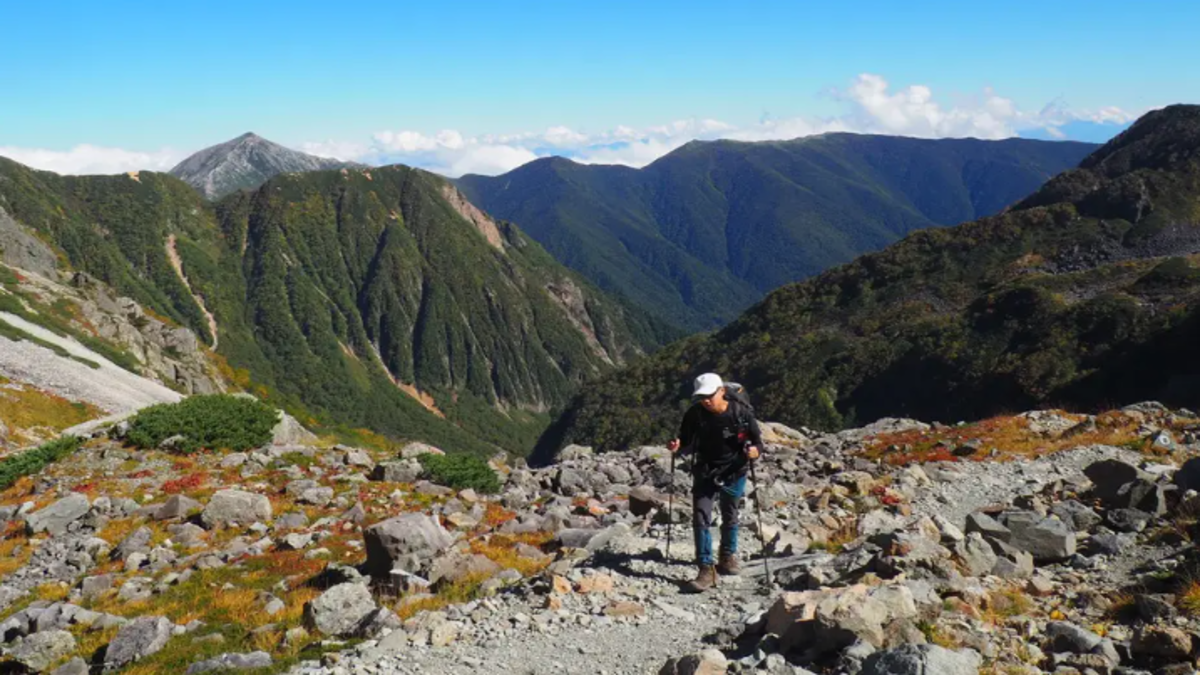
[737, 394]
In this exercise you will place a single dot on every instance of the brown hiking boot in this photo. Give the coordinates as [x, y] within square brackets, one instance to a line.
[728, 565]
[705, 579]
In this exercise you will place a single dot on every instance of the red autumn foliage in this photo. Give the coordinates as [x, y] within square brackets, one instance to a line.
[188, 482]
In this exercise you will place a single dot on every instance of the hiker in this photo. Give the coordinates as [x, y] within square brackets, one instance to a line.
[721, 431]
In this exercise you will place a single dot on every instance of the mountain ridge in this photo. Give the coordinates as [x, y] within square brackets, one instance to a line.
[706, 230]
[372, 298]
[245, 162]
[1067, 298]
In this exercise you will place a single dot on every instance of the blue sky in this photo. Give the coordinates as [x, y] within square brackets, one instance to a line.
[484, 85]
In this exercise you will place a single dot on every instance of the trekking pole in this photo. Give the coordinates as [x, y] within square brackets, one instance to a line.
[670, 506]
[762, 537]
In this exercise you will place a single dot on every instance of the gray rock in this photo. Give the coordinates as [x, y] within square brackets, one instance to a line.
[1127, 520]
[405, 542]
[406, 471]
[75, 666]
[339, 611]
[317, 496]
[924, 659]
[1077, 515]
[231, 661]
[1155, 607]
[416, 449]
[1109, 475]
[1011, 562]
[988, 526]
[1188, 476]
[177, 506]
[235, 506]
[644, 499]
[136, 640]
[1046, 539]
[138, 541]
[288, 431]
[91, 586]
[55, 519]
[1064, 636]
[1143, 495]
[38, 651]
[378, 623]
[976, 555]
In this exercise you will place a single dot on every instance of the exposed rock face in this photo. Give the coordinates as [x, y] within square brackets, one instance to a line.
[246, 162]
[19, 248]
[171, 353]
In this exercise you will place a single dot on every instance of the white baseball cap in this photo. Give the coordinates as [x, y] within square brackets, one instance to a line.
[707, 385]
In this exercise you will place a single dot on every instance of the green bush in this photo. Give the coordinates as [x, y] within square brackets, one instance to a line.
[32, 461]
[460, 472]
[209, 422]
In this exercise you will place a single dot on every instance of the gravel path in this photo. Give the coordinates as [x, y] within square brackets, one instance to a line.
[109, 387]
[962, 488]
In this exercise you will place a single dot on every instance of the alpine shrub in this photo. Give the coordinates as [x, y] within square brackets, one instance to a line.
[460, 472]
[211, 422]
[32, 461]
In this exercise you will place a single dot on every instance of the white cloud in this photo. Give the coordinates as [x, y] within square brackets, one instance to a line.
[872, 105]
[93, 159]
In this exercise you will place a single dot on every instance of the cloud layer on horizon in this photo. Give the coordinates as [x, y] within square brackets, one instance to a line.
[871, 105]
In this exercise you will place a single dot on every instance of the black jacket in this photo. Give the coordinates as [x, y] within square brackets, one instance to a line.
[719, 441]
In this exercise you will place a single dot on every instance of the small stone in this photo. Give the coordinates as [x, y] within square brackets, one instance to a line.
[624, 608]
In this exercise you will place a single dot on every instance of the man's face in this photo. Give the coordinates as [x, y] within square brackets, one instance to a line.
[715, 403]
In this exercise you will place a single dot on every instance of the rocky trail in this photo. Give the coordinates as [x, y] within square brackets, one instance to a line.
[1043, 542]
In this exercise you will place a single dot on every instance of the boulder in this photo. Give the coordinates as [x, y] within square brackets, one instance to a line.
[1046, 539]
[988, 526]
[1109, 475]
[1161, 641]
[644, 499]
[1127, 520]
[339, 611]
[1143, 495]
[416, 449]
[230, 661]
[1188, 476]
[405, 542]
[136, 640]
[176, 506]
[926, 659]
[38, 651]
[405, 471]
[1064, 636]
[137, 541]
[55, 519]
[1075, 514]
[455, 566]
[317, 496]
[75, 666]
[828, 620]
[1011, 562]
[235, 506]
[976, 555]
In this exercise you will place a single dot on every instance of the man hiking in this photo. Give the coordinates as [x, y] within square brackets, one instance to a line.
[721, 431]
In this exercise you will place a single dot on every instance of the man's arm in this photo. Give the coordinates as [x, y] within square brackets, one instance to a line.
[689, 430]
